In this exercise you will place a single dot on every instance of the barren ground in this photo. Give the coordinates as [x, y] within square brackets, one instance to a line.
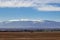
[29, 35]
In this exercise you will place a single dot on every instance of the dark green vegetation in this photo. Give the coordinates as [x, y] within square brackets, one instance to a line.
[33, 30]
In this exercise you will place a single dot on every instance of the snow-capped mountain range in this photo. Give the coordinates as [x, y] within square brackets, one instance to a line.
[30, 24]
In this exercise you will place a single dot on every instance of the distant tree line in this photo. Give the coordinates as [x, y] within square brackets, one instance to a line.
[25, 30]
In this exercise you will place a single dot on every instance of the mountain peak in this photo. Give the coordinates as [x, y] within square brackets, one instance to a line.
[28, 23]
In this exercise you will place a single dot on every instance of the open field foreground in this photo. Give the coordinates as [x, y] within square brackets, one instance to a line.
[29, 35]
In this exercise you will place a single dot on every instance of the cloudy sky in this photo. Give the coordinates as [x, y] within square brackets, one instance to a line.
[30, 9]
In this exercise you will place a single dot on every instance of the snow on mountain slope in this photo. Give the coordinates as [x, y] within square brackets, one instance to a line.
[29, 24]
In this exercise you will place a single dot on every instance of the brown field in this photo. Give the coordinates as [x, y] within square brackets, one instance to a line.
[29, 35]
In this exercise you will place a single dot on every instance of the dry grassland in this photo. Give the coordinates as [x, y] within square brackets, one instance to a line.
[29, 35]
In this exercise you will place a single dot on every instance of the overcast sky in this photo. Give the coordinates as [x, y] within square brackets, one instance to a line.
[30, 9]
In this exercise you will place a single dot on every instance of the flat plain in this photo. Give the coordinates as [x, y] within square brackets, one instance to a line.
[29, 35]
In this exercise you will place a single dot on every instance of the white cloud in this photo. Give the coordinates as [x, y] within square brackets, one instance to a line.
[40, 5]
[49, 8]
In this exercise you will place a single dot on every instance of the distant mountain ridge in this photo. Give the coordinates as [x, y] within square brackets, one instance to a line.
[30, 24]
